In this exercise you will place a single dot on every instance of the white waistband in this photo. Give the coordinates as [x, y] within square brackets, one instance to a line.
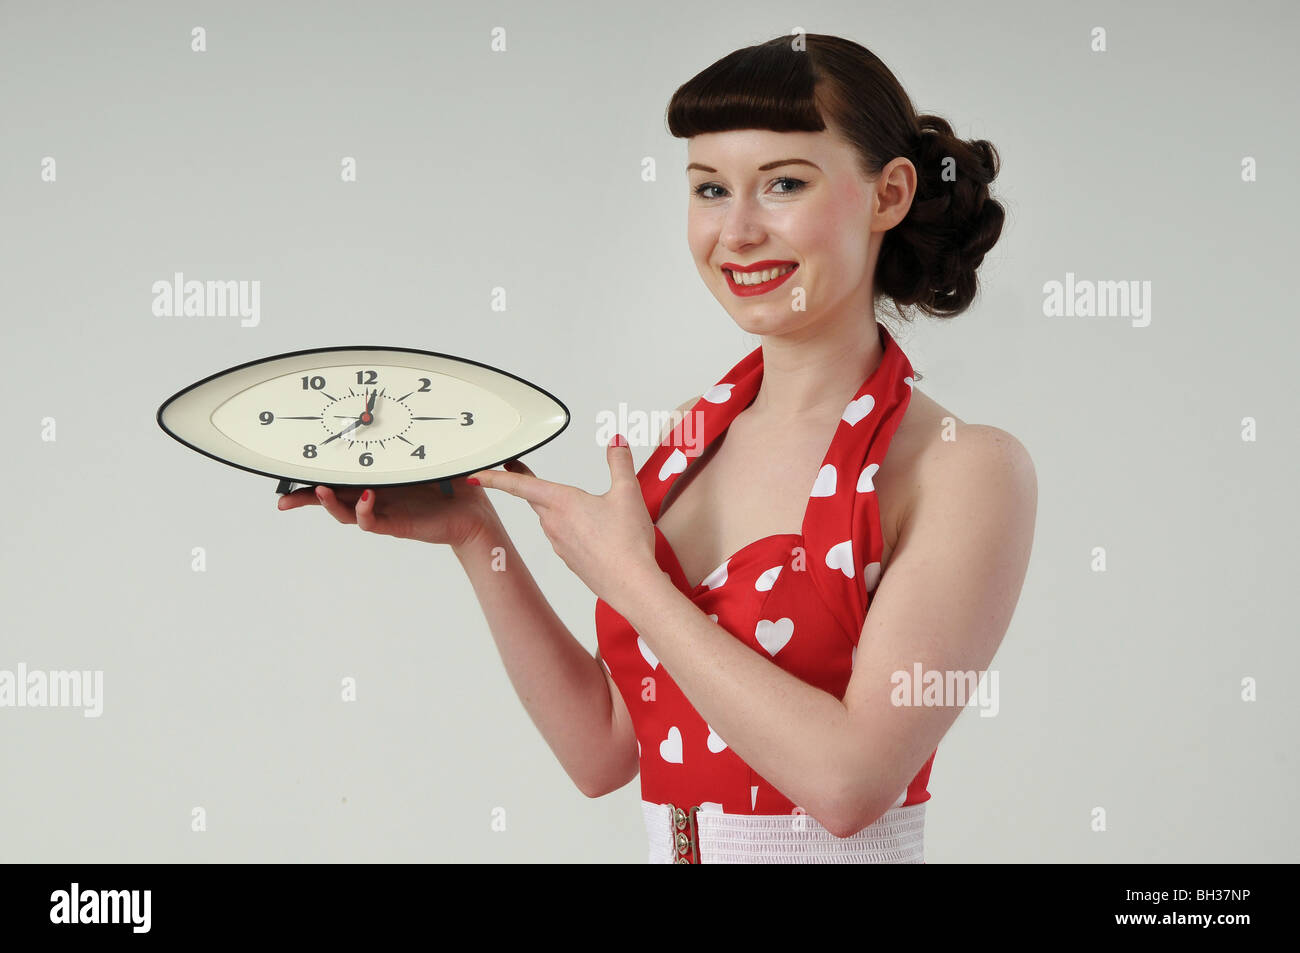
[896, 837]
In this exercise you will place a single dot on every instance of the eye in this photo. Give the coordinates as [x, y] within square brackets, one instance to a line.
[796, 185]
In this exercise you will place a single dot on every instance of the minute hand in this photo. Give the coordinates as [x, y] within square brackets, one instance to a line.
[347, 429]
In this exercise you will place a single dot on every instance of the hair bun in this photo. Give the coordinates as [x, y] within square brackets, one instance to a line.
[929, 259]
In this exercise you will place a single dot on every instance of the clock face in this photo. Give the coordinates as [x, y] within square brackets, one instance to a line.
[363, 416]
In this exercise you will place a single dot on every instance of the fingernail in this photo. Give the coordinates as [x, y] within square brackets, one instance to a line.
[618, 441]
[365, 495]
[320, 492]
[472, 481]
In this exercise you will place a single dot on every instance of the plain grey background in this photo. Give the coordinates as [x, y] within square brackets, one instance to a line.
[522, 169]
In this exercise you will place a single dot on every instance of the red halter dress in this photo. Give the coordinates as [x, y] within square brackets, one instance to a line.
[799, 600]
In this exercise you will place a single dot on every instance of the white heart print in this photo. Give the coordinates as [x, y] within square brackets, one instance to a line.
[840, 556]
[670, 749]
[865, 477]
[715, 743]
[718, 393]
[824, 485]
[857, 409]
[675, 463]
[871, 576]
[716, 578]
[646, 653]
[765, 582]
[774, 636]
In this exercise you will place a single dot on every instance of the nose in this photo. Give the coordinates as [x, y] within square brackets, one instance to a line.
[742, 225]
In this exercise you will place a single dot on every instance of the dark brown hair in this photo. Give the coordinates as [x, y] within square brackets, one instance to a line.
[929, 259]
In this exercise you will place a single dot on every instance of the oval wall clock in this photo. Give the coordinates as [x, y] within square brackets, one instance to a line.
[363, 416]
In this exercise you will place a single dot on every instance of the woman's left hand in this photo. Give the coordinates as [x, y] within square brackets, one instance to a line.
[608, 540]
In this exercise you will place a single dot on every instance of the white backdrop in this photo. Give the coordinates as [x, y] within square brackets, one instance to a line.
[521, 169]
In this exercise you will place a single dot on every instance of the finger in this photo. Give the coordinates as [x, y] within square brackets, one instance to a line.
[525, 486]
[304, 497]
[335, 507]
[622, 470]
[365, 511]
[518, 466]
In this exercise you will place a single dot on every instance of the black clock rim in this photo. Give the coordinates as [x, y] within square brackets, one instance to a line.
[358, 347]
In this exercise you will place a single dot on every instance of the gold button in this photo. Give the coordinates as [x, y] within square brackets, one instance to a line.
[683, 843]
[682, 860]
[679, 817]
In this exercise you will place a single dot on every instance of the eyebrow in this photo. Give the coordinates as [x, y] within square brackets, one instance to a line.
[761, 168]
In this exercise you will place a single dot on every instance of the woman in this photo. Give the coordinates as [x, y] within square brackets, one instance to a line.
[816, 193]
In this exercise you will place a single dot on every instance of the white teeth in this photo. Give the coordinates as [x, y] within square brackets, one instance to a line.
[758, 277]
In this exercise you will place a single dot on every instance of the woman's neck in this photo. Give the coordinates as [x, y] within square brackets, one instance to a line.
[813, 376]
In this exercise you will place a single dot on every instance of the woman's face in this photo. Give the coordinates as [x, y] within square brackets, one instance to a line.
[748, 205]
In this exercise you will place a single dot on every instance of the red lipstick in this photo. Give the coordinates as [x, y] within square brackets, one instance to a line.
[746, 291]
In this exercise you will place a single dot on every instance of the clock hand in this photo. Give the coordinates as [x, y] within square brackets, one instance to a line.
[357, 423]
[366, 416]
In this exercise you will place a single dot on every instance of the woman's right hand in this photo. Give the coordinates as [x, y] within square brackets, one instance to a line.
[416, 511]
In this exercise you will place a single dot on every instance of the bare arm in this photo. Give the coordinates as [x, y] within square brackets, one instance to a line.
[945, 602]
[565, 691]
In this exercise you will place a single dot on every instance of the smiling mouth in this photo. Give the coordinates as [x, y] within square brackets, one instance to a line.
[754, 278]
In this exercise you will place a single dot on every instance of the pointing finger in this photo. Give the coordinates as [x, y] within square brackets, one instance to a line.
[526, 487]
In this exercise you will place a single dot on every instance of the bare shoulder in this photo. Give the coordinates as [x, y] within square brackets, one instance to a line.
[973, 464]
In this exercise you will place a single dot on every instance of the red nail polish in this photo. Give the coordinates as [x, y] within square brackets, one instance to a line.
[365, 495]
[472, 481]
[618, 440]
